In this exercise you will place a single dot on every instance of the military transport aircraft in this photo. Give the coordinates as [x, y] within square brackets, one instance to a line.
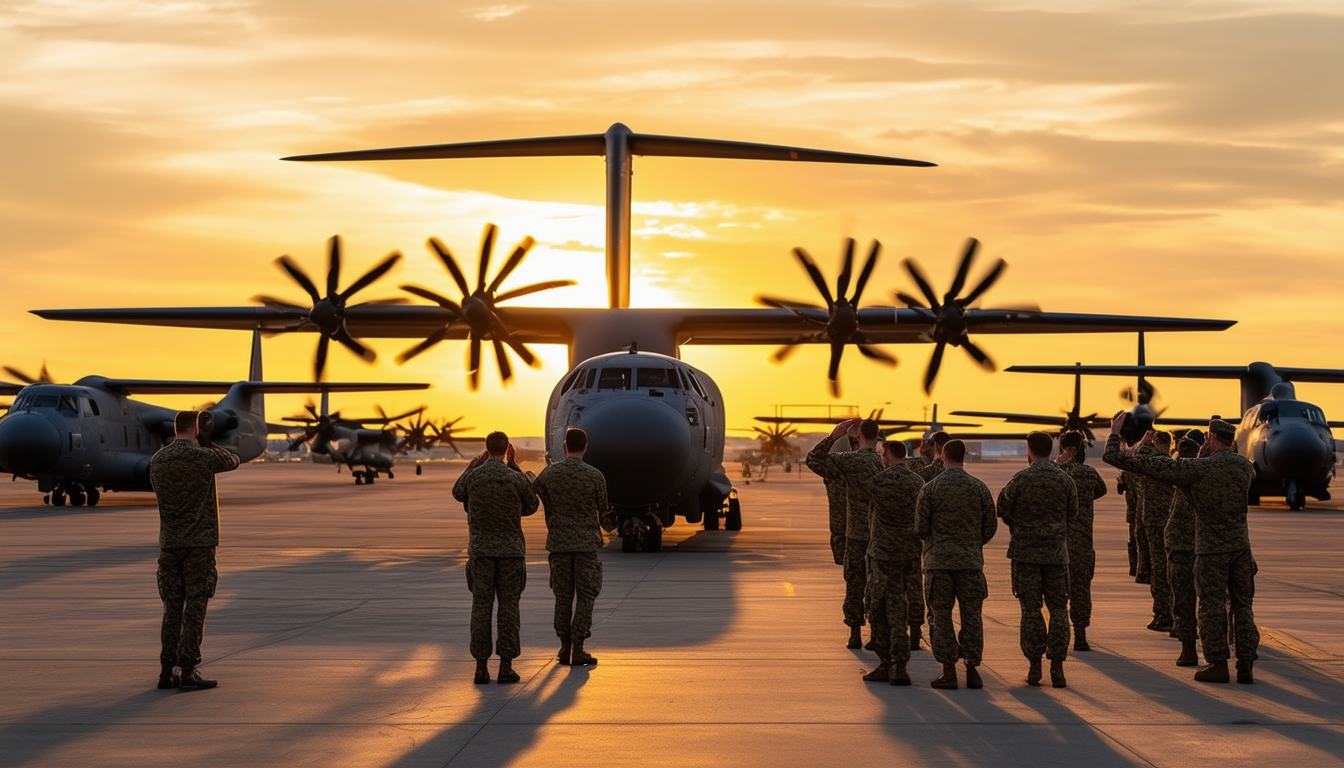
[78, 441]
[349, 441]
[655, 424]
[1070, 420]
[1288, 440]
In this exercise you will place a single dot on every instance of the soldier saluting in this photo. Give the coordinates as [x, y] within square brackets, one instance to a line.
[1224, 567]
[893, 561]
[574, 495]
[497, 495]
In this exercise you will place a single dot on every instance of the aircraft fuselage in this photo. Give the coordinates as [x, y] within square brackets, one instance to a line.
[1290, 444]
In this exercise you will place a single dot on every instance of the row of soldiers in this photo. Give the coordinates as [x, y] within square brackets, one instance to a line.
[909, 533]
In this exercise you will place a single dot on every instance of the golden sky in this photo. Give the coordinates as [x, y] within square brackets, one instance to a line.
[1142, 158]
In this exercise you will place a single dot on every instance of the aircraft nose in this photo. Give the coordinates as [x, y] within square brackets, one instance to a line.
[29, 443]
[641, 446]
[1297, 452]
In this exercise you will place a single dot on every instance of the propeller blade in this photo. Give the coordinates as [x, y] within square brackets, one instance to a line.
[782, 354]
[502, 357]
[431, 340]
[296, 272]
[963, 270]
[501, 333]
[868, 267]
[935, 363]
[373, 274]
[343, 336]
[446, 303]
[515, 259]
[20, 375]
[873, 353]
[381, 412]
[833, 372]
[448, 261]
[474, 362]
[909, 301]
[925, 288]
[487, 245]
[279, 305]
[815, 274]
[979, 355]
[771, 301]
[394, 301]
[534, 288]
[334, 270]
[320, 363]
[842, 285]
[985, 284]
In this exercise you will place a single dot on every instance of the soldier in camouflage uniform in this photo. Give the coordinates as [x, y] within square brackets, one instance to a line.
[1224, 567]
[1082, 554]
[1134, 515]
[574, 495]
[1180, 541]
[837, 513]
[183, 476]
[1039, 506]
[496, 495]
[1154, 508]
[853, 471]
[1122, 488]
[893, 557]
[955, 519]
[931, 463]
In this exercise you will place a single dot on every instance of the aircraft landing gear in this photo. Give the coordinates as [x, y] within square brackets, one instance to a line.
[419, 469]
[77, 498]
[58, 498]
[645, 530]
[93, 495]
[369, 477]
[359, 477]
[1294, 496]
[733, 520]
[391, 476]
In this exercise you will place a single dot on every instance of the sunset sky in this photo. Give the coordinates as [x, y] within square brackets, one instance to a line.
[1177, 158]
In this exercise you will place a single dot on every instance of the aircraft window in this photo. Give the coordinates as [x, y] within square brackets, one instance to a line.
[654, 377]
[44, 401]
[91, 406]
[68, 404]
[1316, 416]
[695, 382]
[21, 402]
[614, 378]
[1268, 412]
[569, 383]
[588, 382]
[676, 379]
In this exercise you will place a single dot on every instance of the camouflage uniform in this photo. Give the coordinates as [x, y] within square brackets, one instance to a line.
[1155, 507]
[1140, 561]
[1179, 538]
[835, 504]
[496, 497]
[955, 519]
[893, 562]
[854, 472]
[1039, 506]
[1224, 566]
[1082, 554]
[929, 469]
[574, 495]
[183, 476]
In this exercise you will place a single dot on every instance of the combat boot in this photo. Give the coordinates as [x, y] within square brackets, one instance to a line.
[973, 677]
[563, 656]
[191, 680]
[1189, 657]
[1160, 625]
[482, 673]
[168, 678]
[506, 674]
[1057, 674]
[1244, 671]
[1034, 673]
[1080, 639]
[882, 674]
[855, 639]
[1216, 672]
[899, 675]
[948, 680]
[916, 637]
[579, 657]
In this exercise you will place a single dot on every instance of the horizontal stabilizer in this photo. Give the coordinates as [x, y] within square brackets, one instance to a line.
[1028, 418]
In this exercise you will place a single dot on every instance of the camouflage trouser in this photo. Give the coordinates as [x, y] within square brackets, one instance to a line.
[1133, 548]
[838, 548]
[856, 581]
[1218, 578]
[1032, 584]
[888, 606]
[1181, 575]
[1140, 538]
[491, 579]
[1082, 567]
[968, 589]
[914, 593]
[1159, 587]
[575, 574]
[187, 579]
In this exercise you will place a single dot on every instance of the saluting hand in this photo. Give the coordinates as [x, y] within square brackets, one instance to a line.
[843, 427]
[1117, 422]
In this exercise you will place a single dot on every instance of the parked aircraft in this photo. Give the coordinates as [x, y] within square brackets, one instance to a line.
[81, 440]
[655, 424]
[350, 442]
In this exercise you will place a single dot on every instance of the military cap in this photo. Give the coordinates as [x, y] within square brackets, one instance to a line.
[1222, 429]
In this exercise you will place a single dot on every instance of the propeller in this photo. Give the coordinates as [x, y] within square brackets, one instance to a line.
[951, 326]
[1074, 421]
[417, 434]
[478, 308]
[839, 319]
[444, 433]
[327, 313]
[43, 377]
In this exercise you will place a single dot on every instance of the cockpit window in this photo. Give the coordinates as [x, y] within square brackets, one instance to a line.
[1268, 412]
[614, 378]
[91, 406]
[68, 404]
[569, 382]
[588, 382]
[654, 377]
[695, 382]
[43, 401]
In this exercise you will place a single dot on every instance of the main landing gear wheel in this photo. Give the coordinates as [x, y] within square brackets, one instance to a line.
[630, 542]
[733, 520]
[1297, 501]
[419, 470]
[712, 520]
[94, 496]
[359, 477]
[369, 477]
[58, 498]
[653, 539]
[76, 498]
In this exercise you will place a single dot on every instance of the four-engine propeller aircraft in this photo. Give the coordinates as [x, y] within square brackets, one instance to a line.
[80, 440]
[1288, 440]
[366, 452]
[655, 424]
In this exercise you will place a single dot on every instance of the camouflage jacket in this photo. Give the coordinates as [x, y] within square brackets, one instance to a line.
[497, 498]
[955, 518]
[1216, 485]
[892, 514]
[929, 469]
[1090, 487]
[1155, 496]
[183, 476]
[1039, 505]
[1179, 535]
[835, 505]
[855, 471]
[575, 497]
[1126, 486]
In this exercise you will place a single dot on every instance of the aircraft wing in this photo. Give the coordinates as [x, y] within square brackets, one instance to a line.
[884, 423]
[10, 389]
[1179, 421]
[1319, 375]
[171, 387]
[1021, 418]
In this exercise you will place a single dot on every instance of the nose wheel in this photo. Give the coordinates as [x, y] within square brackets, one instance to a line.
[646, 531]
[75, 495]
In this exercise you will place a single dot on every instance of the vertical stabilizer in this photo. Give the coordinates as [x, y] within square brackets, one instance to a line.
[254, 366]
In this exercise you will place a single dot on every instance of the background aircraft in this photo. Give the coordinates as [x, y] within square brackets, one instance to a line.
[350, 441]
[1288, 440]
[655, 424]
[78, 441]
[1071, 420]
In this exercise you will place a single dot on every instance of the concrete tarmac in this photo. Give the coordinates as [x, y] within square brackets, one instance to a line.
[339, 637]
